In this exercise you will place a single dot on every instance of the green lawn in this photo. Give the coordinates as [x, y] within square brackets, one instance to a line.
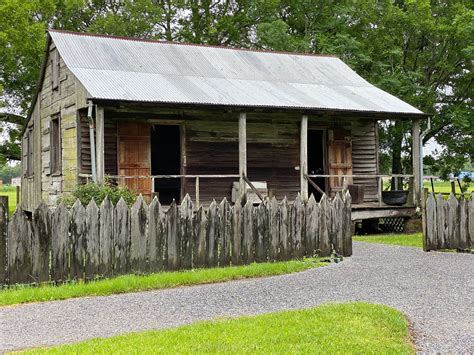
[9, 191]
[410, 240]
[445, 186]
[133, 283]
[352, 328]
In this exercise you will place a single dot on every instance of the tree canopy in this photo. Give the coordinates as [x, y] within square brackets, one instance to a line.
[419, 50]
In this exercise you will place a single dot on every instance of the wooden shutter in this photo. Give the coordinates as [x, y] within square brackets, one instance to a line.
[55, 144]
[339, 158]
[31, 149]
[24, 152]
[134, 153]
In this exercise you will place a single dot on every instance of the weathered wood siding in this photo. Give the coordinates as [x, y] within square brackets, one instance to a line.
[63, 101]
[110, 145]
[31, 185]
[364, 156]
[211, 147]
[272, 154]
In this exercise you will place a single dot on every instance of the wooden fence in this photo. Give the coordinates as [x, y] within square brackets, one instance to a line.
[449, 224]
[87, 242]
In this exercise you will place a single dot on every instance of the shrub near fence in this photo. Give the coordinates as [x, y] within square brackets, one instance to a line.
[92, 241]
[449, 224]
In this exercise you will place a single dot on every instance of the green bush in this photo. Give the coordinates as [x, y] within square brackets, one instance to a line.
[86, 192]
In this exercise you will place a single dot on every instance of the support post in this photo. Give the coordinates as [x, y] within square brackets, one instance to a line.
[380, 188]
[242, 153]
[416, 160]
[453, 187]
[304, 157]
[99, 131]
[90, 119]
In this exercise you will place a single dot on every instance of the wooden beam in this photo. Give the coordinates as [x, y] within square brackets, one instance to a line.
[382, 213]
[99, 133]
[242, 152]
[314, 185]
[304, 157]
[253, 188]
[416, 155]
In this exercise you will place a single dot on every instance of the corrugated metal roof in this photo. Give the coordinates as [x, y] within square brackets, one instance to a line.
[113, 68]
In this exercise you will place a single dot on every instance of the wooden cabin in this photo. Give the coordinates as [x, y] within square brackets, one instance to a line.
[170, 119]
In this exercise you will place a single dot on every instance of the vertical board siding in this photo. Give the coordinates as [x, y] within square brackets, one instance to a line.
[449, 224]
[60, 243]
[121, 238]
[78, 235]
[138, 236]
[41, 242]
[364, 157]
[92, 241]
[19, 249]
[106, 237]
[110, 145]
[3, 242]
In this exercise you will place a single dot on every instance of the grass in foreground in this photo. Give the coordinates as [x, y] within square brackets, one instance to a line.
[133, 283]
[331, 328]
[409, 240]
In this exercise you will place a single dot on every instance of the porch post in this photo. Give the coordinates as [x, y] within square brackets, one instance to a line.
[99, 132]
[416, 160]
[304, 157]
[242, 152]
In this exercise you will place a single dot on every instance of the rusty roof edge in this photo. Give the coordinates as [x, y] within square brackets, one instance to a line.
[135, 39]
[240, 108]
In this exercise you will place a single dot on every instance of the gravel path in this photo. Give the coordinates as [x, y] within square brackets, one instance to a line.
[435, 290]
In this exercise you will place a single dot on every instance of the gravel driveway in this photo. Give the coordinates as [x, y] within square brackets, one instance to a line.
[435, 290]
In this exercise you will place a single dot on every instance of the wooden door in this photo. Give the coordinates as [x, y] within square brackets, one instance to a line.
[339, 158]
[134, 156]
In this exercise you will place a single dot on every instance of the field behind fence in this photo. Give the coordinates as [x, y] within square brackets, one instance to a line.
[449, 224]
[92, 241]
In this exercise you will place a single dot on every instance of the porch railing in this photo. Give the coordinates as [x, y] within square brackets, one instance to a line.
[197, 178]
[379, 178]
[309, 177]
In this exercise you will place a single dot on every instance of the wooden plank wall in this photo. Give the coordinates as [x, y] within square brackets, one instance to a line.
[110, 141]
[31, 185]
[84, 143]
[89, 242]
[364, 156]
[211, 147]
[272, 155]
[43, 185]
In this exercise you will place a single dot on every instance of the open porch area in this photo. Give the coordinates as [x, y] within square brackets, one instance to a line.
[171, 152]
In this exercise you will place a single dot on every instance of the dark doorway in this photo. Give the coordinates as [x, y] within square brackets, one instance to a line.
[316, 161]
[166, 160]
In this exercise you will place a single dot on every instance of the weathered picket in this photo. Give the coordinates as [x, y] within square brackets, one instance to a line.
[89, 242]
[3, 241]
[449, 224]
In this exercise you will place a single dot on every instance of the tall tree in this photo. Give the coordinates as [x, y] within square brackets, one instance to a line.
[420, 51]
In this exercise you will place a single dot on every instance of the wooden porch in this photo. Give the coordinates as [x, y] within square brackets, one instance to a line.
[288, 173]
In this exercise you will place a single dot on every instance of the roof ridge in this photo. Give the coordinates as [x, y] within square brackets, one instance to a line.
[135, 39]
